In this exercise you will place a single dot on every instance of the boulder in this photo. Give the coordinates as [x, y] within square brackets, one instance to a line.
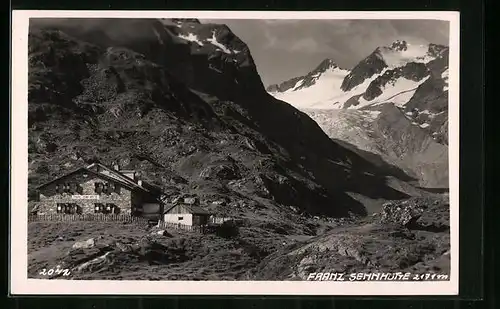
[418, 214]
[401, 213]
[219, 202]
[222, 172]
[94, 264]
[162, 233]
[89, 243]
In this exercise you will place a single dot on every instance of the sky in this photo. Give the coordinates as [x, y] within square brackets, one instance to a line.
[283, 49]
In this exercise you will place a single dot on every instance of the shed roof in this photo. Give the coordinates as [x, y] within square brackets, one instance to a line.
[197, 210]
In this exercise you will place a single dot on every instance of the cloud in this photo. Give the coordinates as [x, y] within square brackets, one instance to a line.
[271, 40]
[305, 44]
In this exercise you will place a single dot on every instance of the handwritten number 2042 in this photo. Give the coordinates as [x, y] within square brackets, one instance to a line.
[55, 271]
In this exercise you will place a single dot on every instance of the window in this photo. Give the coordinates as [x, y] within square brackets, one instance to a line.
[105, 188]
[109, 208]
[98, 208]
[68, 208]
[180, 218]
[105, 208]
[77, 209]
[98, 187]
[60, 208]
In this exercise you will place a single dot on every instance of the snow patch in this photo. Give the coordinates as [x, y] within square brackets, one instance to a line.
[429, 113]
[399, 92]
[372, 114]
[210, 66]
[321, 95]
[214, 42]
[191, 37]
[298, 84]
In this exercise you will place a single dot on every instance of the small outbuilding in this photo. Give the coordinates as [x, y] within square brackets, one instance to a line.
[192, 215]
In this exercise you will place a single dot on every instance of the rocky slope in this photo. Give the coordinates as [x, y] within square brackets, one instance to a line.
[385, 242]
[182, 102]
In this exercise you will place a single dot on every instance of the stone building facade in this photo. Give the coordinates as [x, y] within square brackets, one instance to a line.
[94, 189]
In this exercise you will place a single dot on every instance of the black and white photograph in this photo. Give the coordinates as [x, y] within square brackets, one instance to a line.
[242, 150]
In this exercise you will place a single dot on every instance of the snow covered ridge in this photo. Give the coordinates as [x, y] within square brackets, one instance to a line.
[191, 37]
[191, 30]
[214, 42]
[325, 67]
[326, 92]
[401, 52]
[318, 93]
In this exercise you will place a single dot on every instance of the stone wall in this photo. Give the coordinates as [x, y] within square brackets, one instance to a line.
[49, 198]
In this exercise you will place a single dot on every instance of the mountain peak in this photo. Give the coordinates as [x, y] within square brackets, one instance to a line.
[326, 64]
[399, 45]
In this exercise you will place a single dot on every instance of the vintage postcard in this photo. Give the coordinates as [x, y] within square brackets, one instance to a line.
[270, 153]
